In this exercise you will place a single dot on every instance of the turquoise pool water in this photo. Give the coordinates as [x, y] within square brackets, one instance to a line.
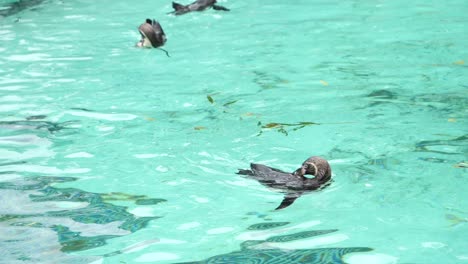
[114, 154]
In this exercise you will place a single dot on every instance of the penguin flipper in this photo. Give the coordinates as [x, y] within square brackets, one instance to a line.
[288, 200]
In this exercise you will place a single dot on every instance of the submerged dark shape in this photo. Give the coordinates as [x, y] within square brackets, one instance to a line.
[293, 184]
[18, 6]
[198, 5]
[152, 35]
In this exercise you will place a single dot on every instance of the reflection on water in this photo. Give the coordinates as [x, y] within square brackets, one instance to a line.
[80, 220]
[268, 81]
[31, 124]
[452, 146]
[269, 250]
[265, 256]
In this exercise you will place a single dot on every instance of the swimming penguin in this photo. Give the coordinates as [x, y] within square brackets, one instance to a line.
[152, 35]
[293, 184]
[198, 5]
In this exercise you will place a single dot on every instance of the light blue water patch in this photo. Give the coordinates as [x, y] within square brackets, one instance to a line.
[114, 154]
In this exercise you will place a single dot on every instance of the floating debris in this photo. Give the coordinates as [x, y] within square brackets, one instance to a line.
[230, 103]
[459, 62]
[210, 99]
[281, 127]
[324, 82]
[199, 128]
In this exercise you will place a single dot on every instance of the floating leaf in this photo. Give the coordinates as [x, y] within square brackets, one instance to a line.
[148, 118]
[281, 126]
[459, 62]
[199, 128]
[308, 123]
[271, 125]
[210, 99]
[452, 120]
[230, 103]
[324, 82]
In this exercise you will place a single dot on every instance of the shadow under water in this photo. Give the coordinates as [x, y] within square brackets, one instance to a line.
[264, 251]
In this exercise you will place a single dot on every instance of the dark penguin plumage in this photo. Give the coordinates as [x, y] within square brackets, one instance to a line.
[295, 183]
[152, 34]
[198, 5]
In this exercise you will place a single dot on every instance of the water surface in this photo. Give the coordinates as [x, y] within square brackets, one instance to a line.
[113, 154]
